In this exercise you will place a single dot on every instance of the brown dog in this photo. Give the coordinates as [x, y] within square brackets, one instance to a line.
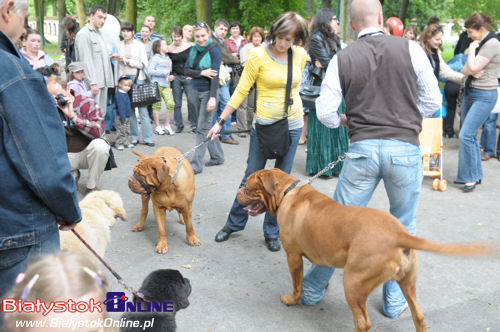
[370, 245]
[172, 187]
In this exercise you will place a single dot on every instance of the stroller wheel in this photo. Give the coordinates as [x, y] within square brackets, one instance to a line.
[443, 185]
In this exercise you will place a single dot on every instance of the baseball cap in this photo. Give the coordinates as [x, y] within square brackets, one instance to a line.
[75, 66]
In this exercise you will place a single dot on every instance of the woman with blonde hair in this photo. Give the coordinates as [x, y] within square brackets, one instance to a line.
[61, 277]
[267, 66]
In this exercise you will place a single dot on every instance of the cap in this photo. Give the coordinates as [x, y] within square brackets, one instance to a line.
[75, 66]
[124, 77]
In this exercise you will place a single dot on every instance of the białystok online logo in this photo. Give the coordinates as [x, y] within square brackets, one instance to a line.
[115, 302]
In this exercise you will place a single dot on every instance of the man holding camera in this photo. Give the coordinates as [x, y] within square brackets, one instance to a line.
[84, 127]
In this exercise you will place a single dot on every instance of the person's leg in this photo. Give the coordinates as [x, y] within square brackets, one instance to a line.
[170, 105]
[451, 91]
[102, 100]
[134, 128]
[156, 114]
[489, 135]
[94, 159]
[477, 107]
[191, 103]
[241, 116]
[177, 89]
[224, 97]
[121, 136]
[146, 129]
[109, 119]
[402, 172]
[358, 179]
[201, 129]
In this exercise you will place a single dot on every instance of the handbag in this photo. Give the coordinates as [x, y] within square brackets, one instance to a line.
[496, 108]
[274, 139]
[308, 94]
[144, 94]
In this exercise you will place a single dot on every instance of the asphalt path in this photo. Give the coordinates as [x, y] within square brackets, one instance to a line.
[237, 284]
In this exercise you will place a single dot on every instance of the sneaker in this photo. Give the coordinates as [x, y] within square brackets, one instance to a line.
[132, 144]
[168, 130]
[159, 130]
[120, 147]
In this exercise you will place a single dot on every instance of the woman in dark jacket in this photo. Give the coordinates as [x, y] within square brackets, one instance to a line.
[324, 145]
[67, 45]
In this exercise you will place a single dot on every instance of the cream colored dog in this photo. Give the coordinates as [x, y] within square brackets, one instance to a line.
[99, 212]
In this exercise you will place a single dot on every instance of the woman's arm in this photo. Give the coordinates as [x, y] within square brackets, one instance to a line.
[446, 72]
[318, 51]
[475, 63]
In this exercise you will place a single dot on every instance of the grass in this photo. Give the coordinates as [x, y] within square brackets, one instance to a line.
[53, 50]
[447, 53]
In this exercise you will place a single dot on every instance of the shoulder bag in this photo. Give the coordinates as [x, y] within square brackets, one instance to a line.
[274, 139]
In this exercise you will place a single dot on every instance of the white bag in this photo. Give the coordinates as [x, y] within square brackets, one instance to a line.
[496, 109]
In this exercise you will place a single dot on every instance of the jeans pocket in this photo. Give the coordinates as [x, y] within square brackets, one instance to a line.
[405, 169]
[11, 257]
[354, 168]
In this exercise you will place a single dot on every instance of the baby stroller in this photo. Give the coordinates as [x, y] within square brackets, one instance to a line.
[431, 145]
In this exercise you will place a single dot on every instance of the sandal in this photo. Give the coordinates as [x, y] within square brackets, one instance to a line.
[302, 142]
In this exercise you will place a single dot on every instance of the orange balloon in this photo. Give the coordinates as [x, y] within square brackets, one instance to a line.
[397, 26]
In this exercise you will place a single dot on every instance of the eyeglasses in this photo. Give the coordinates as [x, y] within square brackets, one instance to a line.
[200, 25]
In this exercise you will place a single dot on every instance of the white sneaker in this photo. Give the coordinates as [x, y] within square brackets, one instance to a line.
[159, 130]
[120, 147]
[168, 130]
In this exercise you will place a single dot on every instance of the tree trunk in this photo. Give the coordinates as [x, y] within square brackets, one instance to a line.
[61, 10]
[131, 12]
[54, 9]
[347, 32]
[310, 8]
[80, 9]
[112, 7]
[209, 12]
[403, 10]
[326, 4]
[202, 10]
[39, 13]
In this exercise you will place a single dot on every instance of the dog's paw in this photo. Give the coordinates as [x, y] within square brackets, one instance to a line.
[288, 299]
[193, 240]
[161, 247]
[138, 228]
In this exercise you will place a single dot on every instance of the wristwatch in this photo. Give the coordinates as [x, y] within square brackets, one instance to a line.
[221, 121]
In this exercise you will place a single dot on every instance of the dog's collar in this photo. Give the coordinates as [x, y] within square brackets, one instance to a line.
[291, 187]
[176, 172]
[148, 187]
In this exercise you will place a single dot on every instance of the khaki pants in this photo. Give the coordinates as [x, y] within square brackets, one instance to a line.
[94, 158]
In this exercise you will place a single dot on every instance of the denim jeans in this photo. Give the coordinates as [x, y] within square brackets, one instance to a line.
[476, 108]
[222, 102]
[399, 164]
[179, 85]
[14, 261]
[204, 124]
[109, 119]
[238, 217]
[489, 135]
[146, 129]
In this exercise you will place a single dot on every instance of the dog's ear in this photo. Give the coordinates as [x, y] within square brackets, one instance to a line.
[139, 154]
[271, 185]
[162, 172]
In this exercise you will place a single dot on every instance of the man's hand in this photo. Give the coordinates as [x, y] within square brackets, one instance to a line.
[170, 78]
[214, 131]
[212, 102]
[68, 109]
[94, 89]
[65, 225]
[343, 120]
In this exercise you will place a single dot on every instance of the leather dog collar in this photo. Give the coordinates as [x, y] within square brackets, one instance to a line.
[291, 187]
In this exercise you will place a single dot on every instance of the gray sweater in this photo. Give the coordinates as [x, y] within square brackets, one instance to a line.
[159, 67]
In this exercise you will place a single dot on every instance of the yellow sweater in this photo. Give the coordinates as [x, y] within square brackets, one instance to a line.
[271, 84]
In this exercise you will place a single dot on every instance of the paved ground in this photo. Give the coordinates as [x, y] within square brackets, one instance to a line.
[237, 284]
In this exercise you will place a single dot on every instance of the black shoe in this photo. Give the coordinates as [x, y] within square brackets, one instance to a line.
[213, 163]
[196, 172]
[179, 130]
[460, 182]
[326, 177]
[149, 144]
[468, 189]
[273, 244]
[223, 235]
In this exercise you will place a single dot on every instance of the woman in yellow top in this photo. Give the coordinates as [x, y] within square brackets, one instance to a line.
[267, 66]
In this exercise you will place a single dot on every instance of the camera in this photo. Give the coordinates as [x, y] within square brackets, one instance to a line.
[61, 100]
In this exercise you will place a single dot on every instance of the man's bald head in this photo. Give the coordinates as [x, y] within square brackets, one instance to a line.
[366, 14]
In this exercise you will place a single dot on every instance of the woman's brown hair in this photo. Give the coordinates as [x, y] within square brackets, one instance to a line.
[428, 33]
[477, 21]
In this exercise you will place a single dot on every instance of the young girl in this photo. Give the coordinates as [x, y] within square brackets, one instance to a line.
[76, 77]
[61, 277]
[159, 69]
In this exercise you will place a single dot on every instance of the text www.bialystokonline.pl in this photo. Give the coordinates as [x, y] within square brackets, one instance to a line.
[74, 324]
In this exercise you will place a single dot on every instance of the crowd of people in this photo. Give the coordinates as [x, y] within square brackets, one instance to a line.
[374, 94]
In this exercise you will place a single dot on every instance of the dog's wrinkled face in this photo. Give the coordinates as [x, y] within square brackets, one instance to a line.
[167, 285]
[152, 170]
[262, 192]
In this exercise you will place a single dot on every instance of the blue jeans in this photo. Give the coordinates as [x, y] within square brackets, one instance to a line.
[489, 135]
[238, 217]
[399, 164]
[109, 119]
[222, 102]
[476, 108]
[146, 129]
[14, 261]
[179, 85]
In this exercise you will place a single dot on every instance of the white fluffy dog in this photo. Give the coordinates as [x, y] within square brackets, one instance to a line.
[99, 212]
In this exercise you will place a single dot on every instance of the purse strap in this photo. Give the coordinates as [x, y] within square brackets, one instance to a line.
[148, 79]
[201, 55]
[288, 100]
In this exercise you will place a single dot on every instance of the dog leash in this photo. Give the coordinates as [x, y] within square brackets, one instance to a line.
[113, 272]
[324, 170]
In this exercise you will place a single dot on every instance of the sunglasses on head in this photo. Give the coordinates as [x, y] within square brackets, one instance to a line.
[200, 25]
[438, 29]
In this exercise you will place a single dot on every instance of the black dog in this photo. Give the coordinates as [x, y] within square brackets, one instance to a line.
[160, 286]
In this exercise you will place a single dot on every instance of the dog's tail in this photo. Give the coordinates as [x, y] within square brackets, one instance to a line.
[406, 240]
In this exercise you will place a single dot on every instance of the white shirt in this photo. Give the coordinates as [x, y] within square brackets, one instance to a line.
[428, 95]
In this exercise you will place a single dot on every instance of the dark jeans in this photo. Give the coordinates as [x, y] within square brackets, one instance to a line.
[179, 85]
[238, 217]
[451, 90]
[109, 119]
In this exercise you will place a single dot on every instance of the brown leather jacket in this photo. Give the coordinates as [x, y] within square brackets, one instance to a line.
[227, 57]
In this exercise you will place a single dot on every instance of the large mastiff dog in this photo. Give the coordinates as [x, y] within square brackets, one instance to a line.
[170, 185]
[370, 245]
